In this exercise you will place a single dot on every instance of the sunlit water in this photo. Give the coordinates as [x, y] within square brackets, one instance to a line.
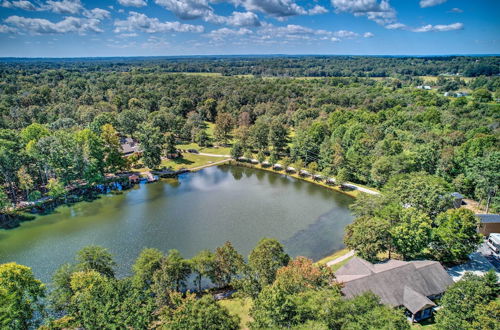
[198, 211]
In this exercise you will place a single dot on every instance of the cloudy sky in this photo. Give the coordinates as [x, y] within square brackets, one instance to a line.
[74, 28]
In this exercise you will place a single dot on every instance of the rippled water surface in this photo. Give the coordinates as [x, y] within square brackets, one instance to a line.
[201, 210]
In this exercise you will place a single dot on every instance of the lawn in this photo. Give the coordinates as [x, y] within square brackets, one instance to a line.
[186, 161]
[337, 254]
[240, 307]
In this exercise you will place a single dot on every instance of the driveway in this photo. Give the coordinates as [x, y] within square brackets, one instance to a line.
[479, 263]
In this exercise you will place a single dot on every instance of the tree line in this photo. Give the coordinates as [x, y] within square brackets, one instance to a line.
[295, 66]
[286, 293]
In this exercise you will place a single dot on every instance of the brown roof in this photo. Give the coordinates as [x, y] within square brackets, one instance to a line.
[397, 283]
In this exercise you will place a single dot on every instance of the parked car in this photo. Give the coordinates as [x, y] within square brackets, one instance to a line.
[493, 242]
[193, 151]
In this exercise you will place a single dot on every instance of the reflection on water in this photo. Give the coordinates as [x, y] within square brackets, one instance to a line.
[198, 211]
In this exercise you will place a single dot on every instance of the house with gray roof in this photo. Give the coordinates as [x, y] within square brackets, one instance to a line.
[414, 285]
[129, 146]
[489, 223]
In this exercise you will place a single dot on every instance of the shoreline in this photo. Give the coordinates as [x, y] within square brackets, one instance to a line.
[352, 193]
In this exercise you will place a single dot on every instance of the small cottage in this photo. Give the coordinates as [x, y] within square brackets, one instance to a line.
[489, 223]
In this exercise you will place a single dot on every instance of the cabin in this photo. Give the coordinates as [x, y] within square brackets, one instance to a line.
[330, 181]
[129, 146]
[266, 163]
[414, 285]
[242, 159]
[254, 161]
[317, 177]
[304, 173]
[489, 223]
[277, 167]
[290, 169]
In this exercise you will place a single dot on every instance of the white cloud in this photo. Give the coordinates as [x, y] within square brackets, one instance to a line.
[380, 12]
[64, 6]
[44, 26]
[456, 10]
[335, 39]
[317, 10]
[237, 19]
[345, 34]
[439, 28]
[97, 13]
[396, 26]
[431, 3]
[21, 4]
[186, 9]
[224, 33]
[7, 29]
[132, 3]
[140, 22]
[368, 35]
[275, 8]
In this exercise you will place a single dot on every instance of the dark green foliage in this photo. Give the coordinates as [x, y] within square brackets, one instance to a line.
[20, 297]
[197, 314]
[96, 258]
[456, 235]
[464, 303]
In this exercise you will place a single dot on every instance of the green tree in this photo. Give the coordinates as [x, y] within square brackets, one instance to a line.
[172, 274]
[146, 264]
[455, 236]
[21, 296]
[55, 188]
[151, 144]
[113, 160]
[261, 157]
[34, 132]
[460, 301]
[228, 263]
[236, 150]
[198, 314]
[170, 143]
[482, 95]
[368, 236]
[266, 258]
[96, 258]
[422, 191]
[60, 296]
[203, 265]
[278, 136]
[4, 201]
[223, 127]
[411, 234]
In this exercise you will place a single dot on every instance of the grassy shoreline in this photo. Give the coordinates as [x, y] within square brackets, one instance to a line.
[350, 193]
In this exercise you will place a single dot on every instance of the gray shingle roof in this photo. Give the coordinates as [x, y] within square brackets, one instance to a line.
[489, 218]
[390, 280]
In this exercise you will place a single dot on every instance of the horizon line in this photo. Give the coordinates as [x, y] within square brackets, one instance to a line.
[251, 55]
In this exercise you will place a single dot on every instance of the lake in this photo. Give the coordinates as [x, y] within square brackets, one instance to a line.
[198, 211]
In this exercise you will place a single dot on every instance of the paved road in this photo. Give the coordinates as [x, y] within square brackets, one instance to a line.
[365, 190]
[210, 164]
[211, 155]
[341, 258]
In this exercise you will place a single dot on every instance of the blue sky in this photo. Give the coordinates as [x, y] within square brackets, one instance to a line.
[77, 28]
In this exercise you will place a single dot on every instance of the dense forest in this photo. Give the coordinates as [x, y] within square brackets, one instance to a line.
[295, 66]
[62, 125]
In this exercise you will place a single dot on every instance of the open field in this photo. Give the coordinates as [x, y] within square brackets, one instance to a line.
[187, 161]
[240, 307]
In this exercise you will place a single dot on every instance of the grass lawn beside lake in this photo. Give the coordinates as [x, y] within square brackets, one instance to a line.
[240, 307]
[337, 254]
[187, 161]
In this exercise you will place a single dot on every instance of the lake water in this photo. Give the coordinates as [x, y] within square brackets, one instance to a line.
[198, 211]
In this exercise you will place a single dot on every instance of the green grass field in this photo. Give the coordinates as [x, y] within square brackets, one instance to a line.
[240, 307]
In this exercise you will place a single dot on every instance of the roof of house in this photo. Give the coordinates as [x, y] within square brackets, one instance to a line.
[457, 195]
[129, 145]
[397, 283]
[489, 218]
